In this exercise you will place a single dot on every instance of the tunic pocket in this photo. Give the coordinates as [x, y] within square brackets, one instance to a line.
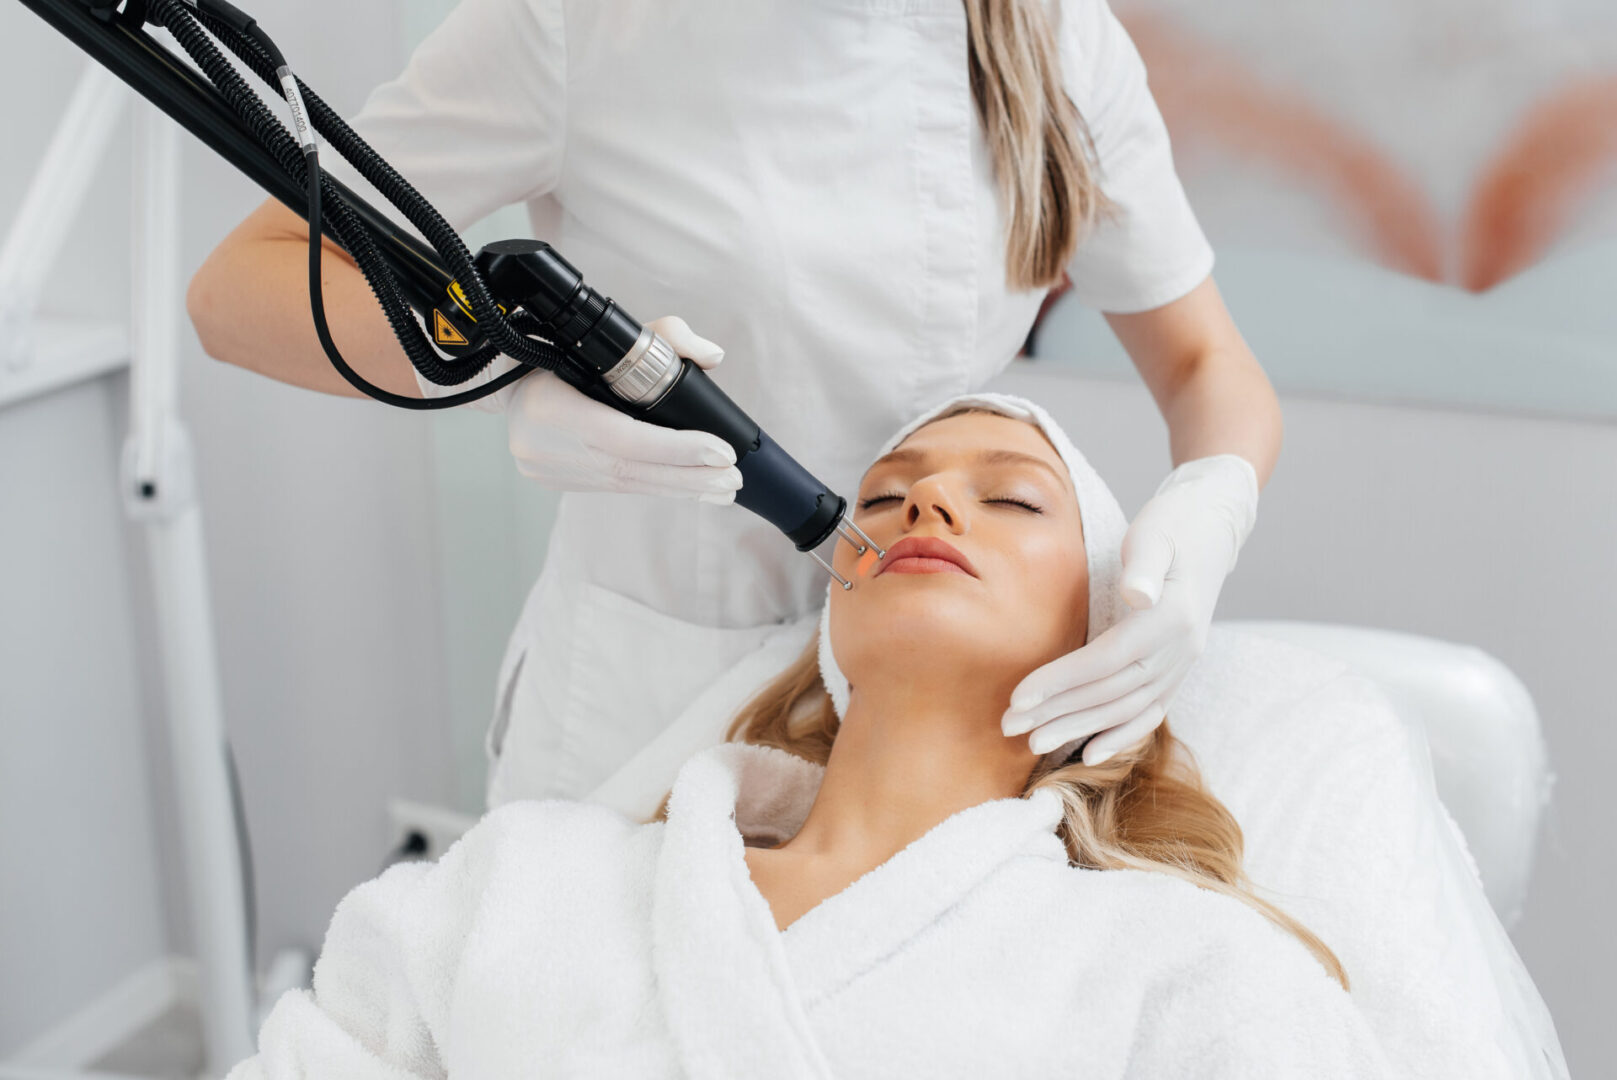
[494, 738]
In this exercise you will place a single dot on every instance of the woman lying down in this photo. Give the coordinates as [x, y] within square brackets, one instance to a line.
[869, 879]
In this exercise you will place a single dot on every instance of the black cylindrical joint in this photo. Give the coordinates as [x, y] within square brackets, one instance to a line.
[573, 321]
[531, 272]
[553, 291]
[610, 338]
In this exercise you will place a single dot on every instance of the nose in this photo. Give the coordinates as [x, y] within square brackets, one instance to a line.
[932, 498]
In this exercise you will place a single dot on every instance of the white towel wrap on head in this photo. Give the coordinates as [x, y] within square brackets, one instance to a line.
[1103, 521]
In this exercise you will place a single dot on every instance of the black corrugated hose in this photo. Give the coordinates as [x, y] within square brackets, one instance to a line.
[506, 334]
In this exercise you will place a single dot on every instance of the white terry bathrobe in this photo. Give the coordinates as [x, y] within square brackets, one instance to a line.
[563, 939]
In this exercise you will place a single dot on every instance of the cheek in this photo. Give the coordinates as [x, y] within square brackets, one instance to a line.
[1053, 581]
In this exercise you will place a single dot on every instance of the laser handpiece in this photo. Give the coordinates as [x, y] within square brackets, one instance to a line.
[514, 290]
[642, 371]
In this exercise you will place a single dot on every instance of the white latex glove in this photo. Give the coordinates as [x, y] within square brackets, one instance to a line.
[568, 441]
[1178, 550]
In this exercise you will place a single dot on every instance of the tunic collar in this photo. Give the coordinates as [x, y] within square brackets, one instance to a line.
[737, 991]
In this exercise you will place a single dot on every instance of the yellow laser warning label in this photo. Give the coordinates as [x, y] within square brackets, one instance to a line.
[444, 332]
[458, 295]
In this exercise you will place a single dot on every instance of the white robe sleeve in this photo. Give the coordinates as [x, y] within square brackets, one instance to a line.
[475, 121]
[1253, 1005]
[1151, 251]
[385, 978]
[361, 1020]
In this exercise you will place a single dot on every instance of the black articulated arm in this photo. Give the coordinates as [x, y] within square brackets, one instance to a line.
[516, 297]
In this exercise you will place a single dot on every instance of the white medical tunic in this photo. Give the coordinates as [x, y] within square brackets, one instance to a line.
[806, 183]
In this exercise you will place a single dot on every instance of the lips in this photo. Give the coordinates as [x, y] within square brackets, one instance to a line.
[921, 554]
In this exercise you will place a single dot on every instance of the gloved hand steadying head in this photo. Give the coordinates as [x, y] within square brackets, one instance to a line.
[1175, 557]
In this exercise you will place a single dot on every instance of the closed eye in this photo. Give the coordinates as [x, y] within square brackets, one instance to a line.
[892, 496]
[1018, 502]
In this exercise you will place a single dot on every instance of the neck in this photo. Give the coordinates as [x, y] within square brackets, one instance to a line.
[905, 758]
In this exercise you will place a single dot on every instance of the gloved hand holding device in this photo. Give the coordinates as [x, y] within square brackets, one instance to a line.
[568, 441]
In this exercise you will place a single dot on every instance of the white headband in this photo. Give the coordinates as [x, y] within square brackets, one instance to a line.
[1103, 522]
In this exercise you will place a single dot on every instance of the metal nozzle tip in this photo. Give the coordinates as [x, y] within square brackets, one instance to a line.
[844, 582]
[854, 535]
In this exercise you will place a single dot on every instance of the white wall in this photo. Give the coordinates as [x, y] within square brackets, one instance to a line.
[81, 899]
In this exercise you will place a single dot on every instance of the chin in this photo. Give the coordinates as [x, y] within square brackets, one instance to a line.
[919, 595]
[929, 619]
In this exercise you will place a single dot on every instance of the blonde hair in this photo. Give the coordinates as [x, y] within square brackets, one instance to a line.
[1144, 809]
[1044, 158]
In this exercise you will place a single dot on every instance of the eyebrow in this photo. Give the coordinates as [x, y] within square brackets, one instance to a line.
[983, 457]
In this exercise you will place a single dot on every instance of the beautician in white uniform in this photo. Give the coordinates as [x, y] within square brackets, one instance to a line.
[809, 183]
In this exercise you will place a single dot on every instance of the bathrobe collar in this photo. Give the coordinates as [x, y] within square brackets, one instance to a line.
[735, 989]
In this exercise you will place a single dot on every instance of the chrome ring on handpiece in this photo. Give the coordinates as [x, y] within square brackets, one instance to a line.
[646, 372]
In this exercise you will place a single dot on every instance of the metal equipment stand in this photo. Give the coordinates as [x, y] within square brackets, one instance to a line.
[159, 491]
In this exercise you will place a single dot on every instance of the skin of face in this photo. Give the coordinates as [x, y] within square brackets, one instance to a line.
[1029, 600]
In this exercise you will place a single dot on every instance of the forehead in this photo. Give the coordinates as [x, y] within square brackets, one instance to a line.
[964, 438]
